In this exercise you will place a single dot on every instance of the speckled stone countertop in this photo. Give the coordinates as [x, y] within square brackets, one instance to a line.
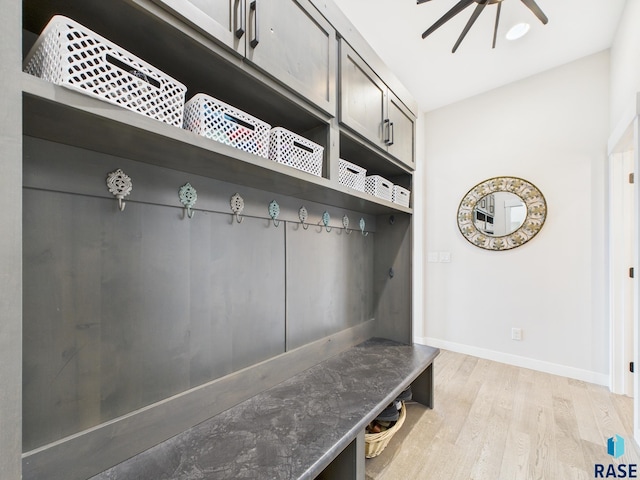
[292, 430]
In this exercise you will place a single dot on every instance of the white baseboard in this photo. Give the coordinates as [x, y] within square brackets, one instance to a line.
[518, 361]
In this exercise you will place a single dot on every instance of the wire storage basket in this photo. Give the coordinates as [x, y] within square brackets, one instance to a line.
[69, 54]
[295, 151]
[214, 119]
[351, 175]
[400, 195]
[379, 187]
[375, 443]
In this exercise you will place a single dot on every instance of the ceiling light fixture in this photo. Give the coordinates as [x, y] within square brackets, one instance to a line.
[480, 5]
[519, 30]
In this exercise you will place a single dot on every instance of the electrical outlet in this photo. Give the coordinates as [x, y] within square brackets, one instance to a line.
[516, 334]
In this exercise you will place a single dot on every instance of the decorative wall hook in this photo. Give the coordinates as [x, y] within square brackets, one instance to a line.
[120, 185]
[326, 218]
[362, 225]
[188, 197]
[345, 224]
[302, 215]
[274, 212]
[237, 206]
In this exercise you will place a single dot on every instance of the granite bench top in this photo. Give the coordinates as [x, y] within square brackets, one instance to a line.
[292, 430]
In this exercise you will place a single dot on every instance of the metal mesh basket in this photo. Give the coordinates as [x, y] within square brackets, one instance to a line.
[290, 149]
[71, 55]
[400, 195]
[351, 175]
[378, 187]
[218, 121]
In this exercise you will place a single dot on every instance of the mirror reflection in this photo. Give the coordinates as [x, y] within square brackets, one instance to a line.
[499, 214]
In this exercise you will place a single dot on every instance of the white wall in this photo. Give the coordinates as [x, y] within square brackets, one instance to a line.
[552, 130]
[625, 63]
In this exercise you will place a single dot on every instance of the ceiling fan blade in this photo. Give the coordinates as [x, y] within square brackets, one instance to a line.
[457, 8]
[423, 1]
[495, 29]
[533, 6]
[474, 16]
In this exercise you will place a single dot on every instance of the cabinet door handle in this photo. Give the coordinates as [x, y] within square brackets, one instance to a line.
[255, 40]
[389, 132]
[243, 18]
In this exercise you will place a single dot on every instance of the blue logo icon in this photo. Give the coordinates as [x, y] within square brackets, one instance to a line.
[615, 446]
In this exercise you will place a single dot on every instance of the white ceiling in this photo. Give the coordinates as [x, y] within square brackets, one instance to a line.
[437, 77]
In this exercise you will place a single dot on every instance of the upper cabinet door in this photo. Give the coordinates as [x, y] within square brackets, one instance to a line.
[369, 108]
[292, 42]
[222, 20]
[401, 134]
[363, 97]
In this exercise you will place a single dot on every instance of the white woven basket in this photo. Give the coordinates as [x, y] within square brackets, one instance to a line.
[211, 118]
[400, 195]
[351, 175]
[71, 55]
[379, 187]
[290, 149]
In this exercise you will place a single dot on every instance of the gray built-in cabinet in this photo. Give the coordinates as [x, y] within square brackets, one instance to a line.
[224, 21]
[402, 144]
[370, 108]
[137, 325]
[286, 39]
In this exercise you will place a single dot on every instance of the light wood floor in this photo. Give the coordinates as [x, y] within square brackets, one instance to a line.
[492, 421]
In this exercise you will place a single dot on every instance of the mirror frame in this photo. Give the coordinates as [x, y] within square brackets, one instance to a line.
[534, 202]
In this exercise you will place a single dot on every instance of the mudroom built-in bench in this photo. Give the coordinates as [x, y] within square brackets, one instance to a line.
[309, 426]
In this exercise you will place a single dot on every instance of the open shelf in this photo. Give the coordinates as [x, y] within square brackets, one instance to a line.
[148, 31]
[201, 64]
[61, 115]
[356, 151]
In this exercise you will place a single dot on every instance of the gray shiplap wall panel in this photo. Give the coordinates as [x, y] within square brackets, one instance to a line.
[329, 278]
[208, 342]
[110, 293]
[246, 289]
[125, 309]
[60, 348]
[393, 294]
[48, 166]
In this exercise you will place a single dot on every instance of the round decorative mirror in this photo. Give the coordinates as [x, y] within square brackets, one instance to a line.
[501, 213]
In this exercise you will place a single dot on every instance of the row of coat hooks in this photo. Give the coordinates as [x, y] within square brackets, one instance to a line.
[121, 185]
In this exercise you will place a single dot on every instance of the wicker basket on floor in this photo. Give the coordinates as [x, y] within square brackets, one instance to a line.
[375, 443]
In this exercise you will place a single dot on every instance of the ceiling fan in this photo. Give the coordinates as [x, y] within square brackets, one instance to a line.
[462, 4]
